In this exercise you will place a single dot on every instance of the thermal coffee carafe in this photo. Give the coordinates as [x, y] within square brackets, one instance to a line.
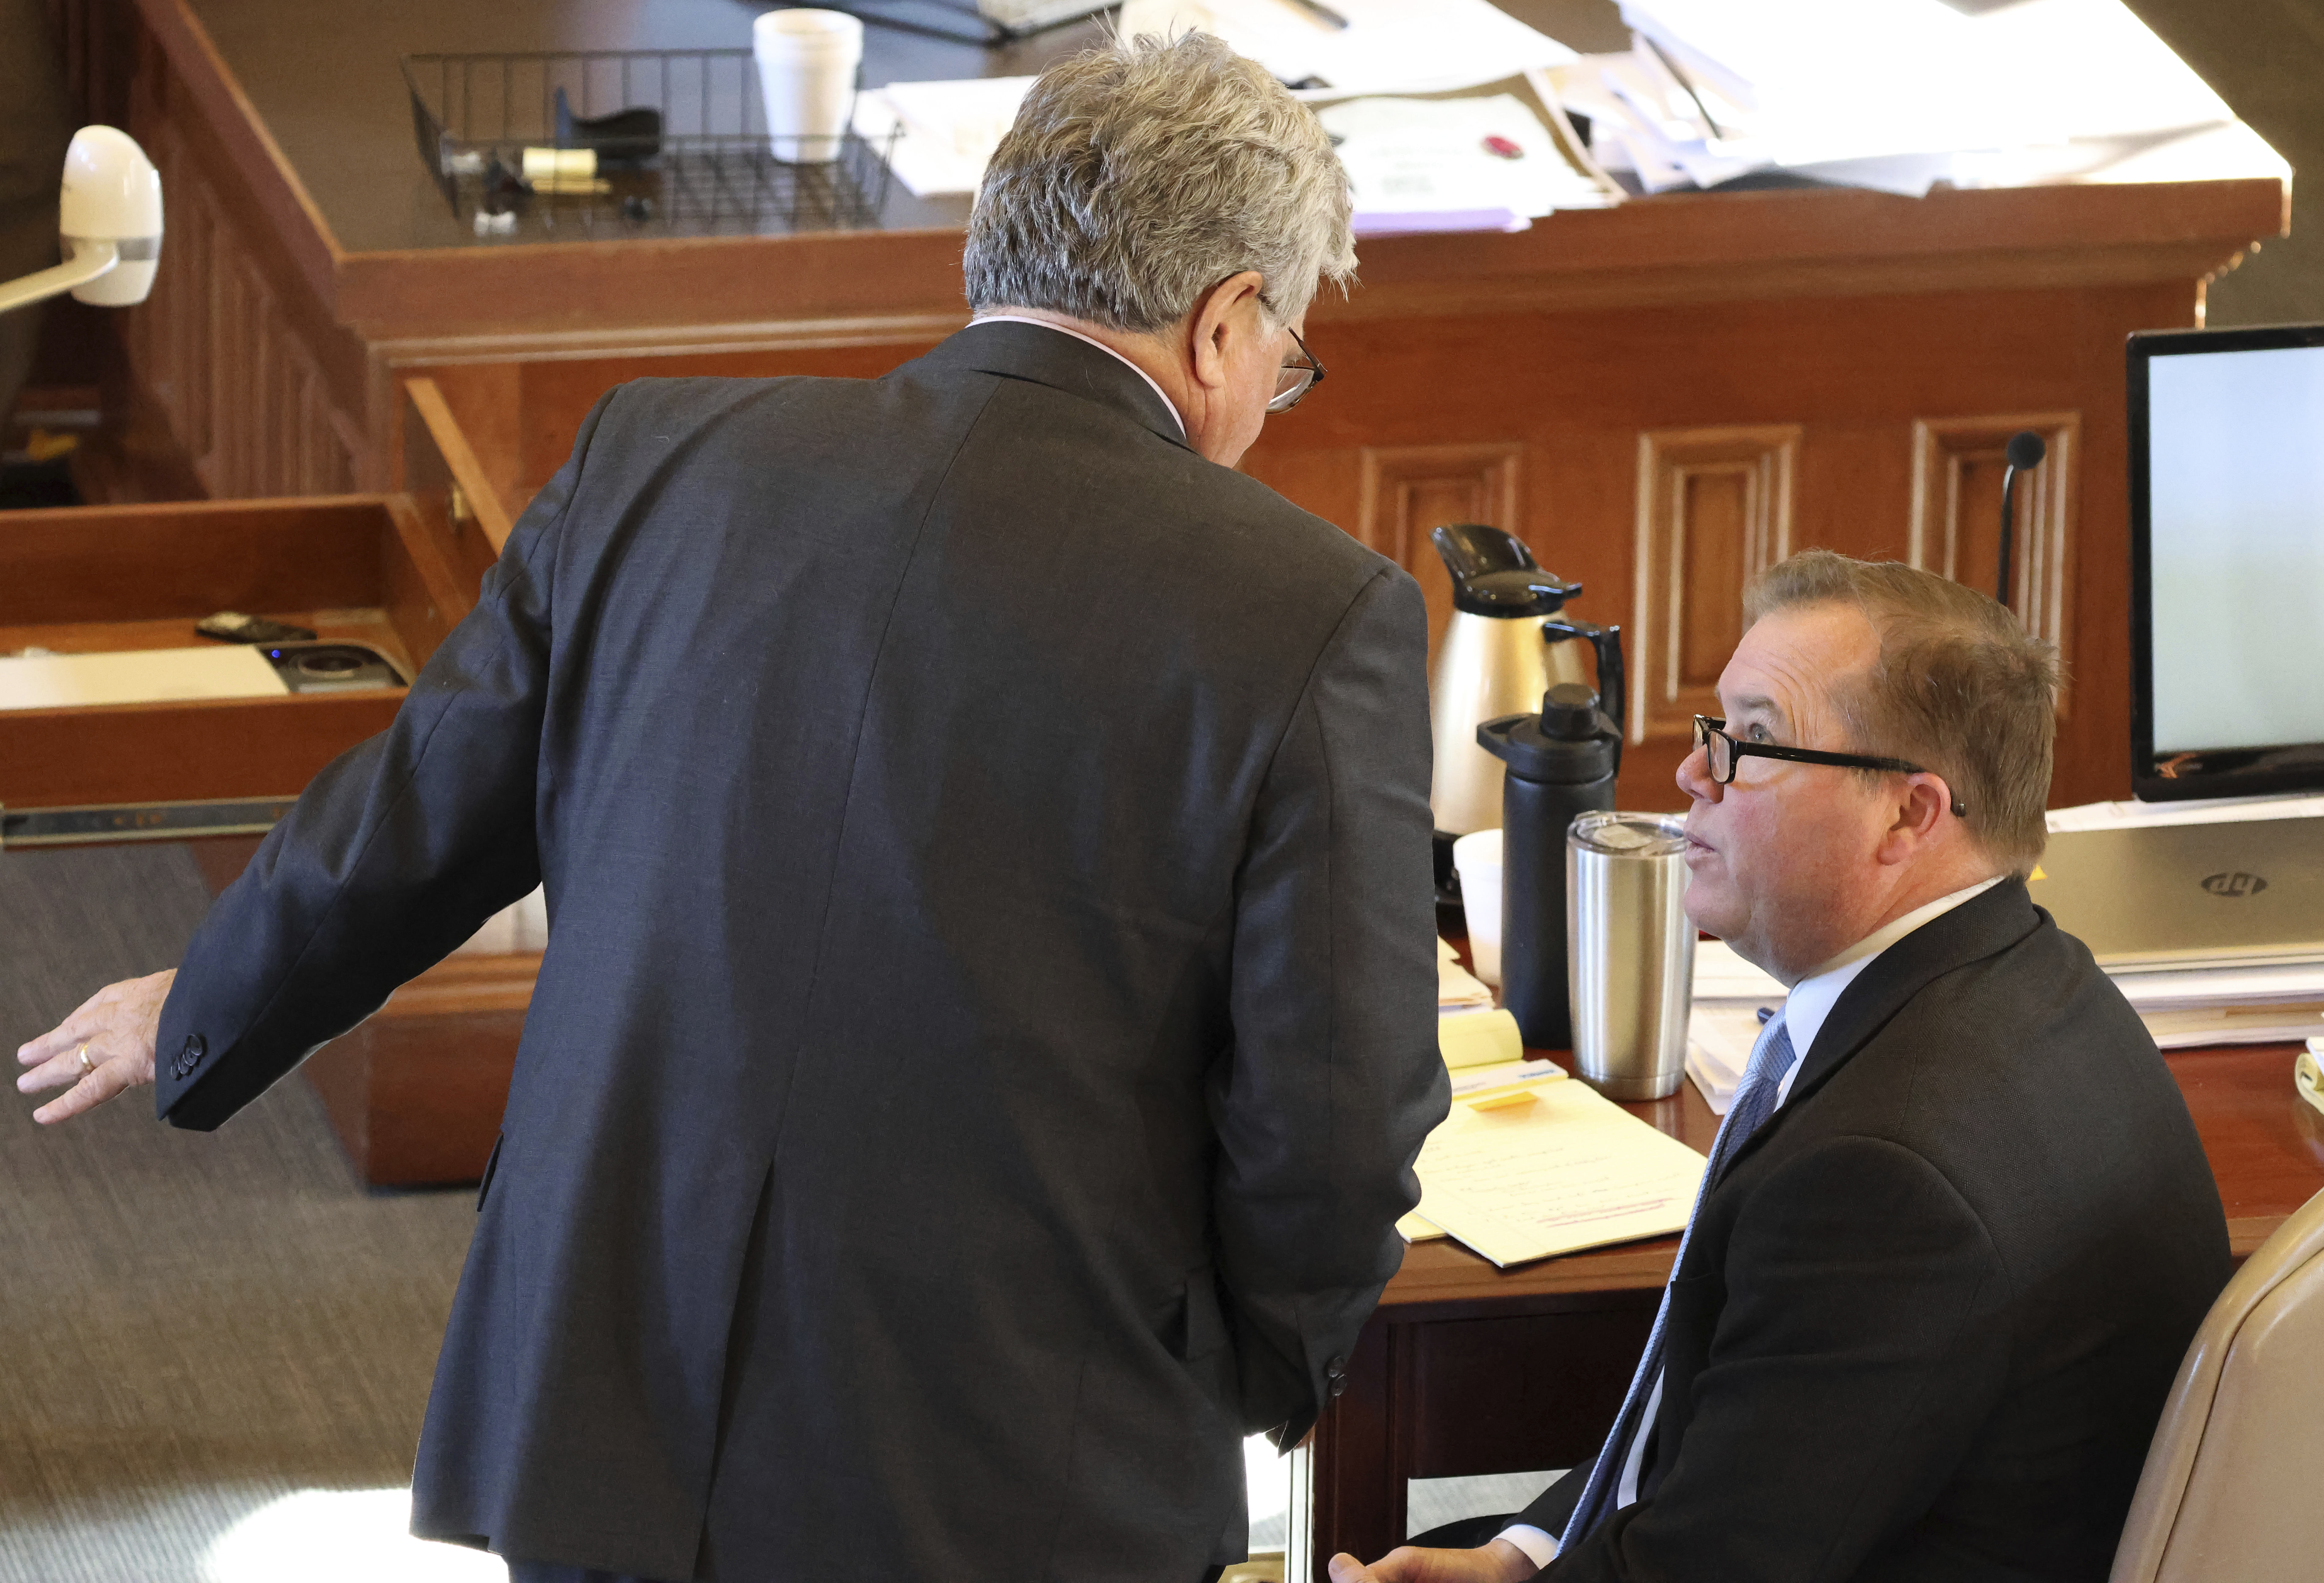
[1506, 646]
[1559, 763]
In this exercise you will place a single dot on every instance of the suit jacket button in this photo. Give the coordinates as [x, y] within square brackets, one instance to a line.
[1336, 1369]
[189, 1055]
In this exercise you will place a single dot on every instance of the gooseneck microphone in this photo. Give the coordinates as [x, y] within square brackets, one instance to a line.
[2025, 453]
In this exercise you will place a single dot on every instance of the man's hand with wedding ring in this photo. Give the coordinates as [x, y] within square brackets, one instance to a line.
[104, 1049]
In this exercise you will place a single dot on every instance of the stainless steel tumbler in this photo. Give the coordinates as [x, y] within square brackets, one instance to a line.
[1629, 952]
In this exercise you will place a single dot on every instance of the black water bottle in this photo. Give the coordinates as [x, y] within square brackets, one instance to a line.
[1560, 763]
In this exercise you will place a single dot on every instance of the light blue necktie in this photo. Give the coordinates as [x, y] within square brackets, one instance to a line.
[1754, 1101]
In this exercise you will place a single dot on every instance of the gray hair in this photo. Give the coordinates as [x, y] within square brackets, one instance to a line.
[1138, 176]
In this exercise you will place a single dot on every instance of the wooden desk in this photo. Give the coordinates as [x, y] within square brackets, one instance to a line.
[1661, 398]
[1468, 1369]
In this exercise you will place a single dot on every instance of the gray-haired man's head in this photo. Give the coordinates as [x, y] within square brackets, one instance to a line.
[1139, 176]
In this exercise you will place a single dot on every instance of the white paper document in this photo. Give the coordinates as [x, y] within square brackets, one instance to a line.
[1568, 1170]
[950, 130]
[1899, 94]
[1388, 46]
[1413, 163]
[140, 676]
[1485, 1083]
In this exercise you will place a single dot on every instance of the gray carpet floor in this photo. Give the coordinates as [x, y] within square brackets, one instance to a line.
[192, 1328]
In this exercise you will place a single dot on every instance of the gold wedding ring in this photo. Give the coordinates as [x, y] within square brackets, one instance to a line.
[85, 1066]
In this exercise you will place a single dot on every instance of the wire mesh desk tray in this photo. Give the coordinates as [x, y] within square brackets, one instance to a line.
[614, 144]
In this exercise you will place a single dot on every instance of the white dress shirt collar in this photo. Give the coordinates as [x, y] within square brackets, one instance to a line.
[1019, 318]
[1811, 1000]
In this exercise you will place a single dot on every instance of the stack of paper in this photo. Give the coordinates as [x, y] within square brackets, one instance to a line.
[943, 133]
[1485, 160]
[1901, 93]
[1499, 1081]
[1482, 161]
[2182, 1007]
[1529, 1165]
[1387, 46]
[1730, 996]
[1470, 1030]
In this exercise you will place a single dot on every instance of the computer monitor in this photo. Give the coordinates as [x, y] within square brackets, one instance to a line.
[2227, 526]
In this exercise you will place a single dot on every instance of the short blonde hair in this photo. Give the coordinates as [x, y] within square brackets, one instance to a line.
[1138, 176]
[1958, 688]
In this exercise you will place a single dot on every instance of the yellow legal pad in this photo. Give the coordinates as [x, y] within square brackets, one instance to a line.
[1569, 1171]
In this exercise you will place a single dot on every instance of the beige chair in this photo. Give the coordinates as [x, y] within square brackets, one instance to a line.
[2231, 1493]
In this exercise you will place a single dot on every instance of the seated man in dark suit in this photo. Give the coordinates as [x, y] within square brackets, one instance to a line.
[1956, 1229]
[989, 1012]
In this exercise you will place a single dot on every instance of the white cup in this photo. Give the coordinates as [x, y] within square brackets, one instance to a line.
[806, 76]
[1477, 858]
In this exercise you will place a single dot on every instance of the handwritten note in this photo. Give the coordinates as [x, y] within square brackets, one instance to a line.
[1572, 1171]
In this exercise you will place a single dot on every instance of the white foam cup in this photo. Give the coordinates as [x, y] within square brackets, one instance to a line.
[1477, 858]
[808, 61]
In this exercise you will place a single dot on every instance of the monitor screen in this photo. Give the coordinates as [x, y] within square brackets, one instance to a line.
[2227, 531]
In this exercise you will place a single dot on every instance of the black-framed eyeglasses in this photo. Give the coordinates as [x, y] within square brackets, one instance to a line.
[1293, 381]
[1725, 752]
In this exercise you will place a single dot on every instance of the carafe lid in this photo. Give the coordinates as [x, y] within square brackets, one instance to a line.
[1495, 575]
[1570, 741]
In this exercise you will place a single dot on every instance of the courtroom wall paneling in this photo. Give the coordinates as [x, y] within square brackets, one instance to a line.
[1852, 375]
[1714, 511]
[1405, 492]
[1959, 466]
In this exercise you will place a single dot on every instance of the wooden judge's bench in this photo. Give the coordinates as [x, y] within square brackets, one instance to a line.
[1661, 399]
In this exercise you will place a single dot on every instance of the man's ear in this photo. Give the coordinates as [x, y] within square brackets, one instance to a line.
[1229, 307]
[1914, 816]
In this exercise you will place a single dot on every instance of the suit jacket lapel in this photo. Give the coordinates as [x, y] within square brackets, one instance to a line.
[1062, 362]
[1978, 928]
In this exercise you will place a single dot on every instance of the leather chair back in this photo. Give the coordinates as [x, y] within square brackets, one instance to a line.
[2230, 1487]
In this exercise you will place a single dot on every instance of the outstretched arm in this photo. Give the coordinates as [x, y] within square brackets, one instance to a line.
[391, 857]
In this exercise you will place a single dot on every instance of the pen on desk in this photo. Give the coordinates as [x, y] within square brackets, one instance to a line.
[1322, 13]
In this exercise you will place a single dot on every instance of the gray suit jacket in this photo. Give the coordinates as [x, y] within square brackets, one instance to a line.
[988, 1019]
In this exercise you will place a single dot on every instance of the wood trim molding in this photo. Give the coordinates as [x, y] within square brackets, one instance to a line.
[1714, 510]
[444, 478]
[701, 340]
[1406, 492]
[1958, 464]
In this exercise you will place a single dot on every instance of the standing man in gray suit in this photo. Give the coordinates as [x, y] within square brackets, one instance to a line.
[988, 1019]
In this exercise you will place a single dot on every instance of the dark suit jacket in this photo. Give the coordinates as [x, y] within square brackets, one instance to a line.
[989, 1012]
[1927, 1318]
